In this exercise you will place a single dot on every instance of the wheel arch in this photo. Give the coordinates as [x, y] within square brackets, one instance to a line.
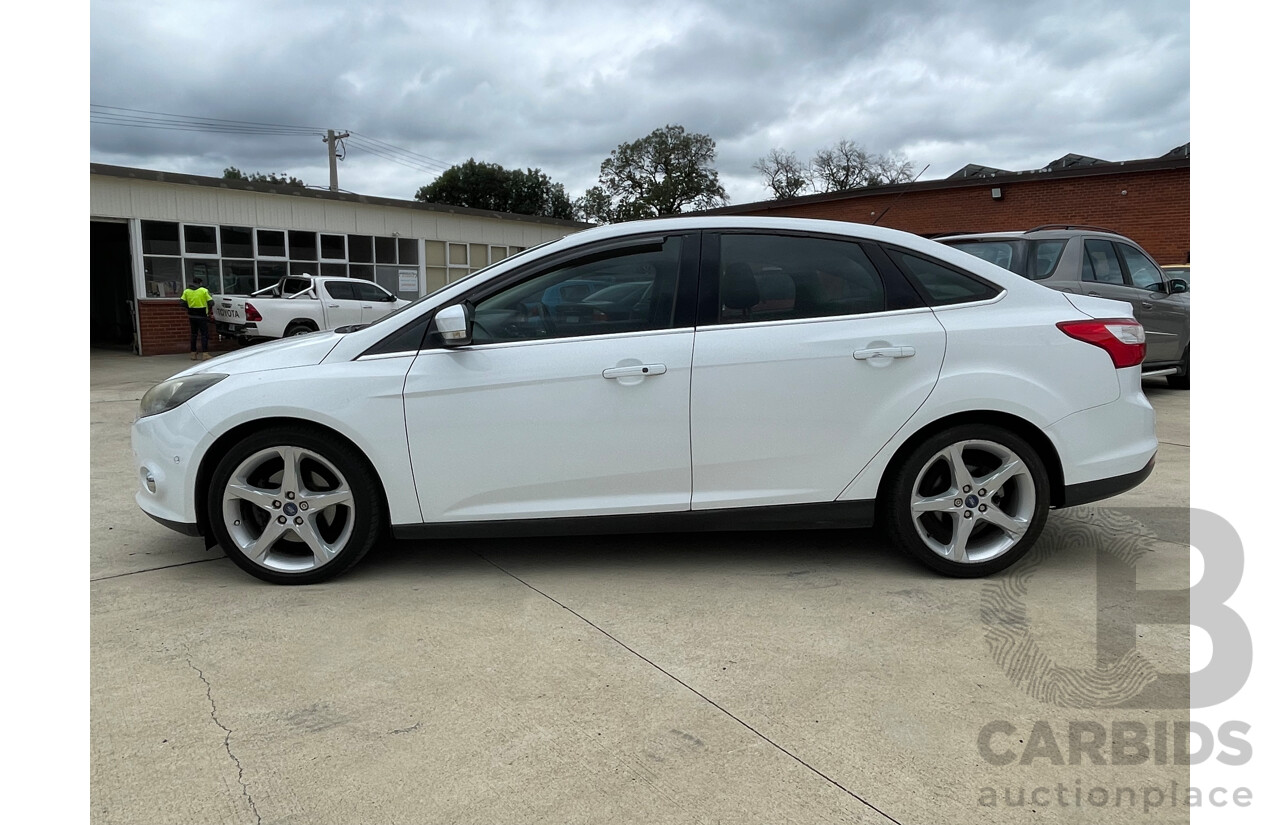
[212, 455]
[1020, 427]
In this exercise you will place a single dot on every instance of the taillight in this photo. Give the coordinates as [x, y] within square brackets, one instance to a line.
[251, 314]
[1123, 338]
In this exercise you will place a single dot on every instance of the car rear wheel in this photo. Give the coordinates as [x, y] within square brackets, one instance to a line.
[1182, 381]
[969, 501]
[299, 328]
[292, 506]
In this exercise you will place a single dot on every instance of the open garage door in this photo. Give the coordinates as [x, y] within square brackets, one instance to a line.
[113, 313]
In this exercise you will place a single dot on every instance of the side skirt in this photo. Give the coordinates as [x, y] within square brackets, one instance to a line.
[822, 516]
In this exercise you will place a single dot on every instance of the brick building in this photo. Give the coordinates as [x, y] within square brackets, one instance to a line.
[152, 232]
[1147, 200]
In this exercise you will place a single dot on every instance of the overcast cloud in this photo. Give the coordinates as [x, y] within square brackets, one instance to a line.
[557, 85]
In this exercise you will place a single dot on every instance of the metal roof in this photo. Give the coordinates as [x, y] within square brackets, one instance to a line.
[183, 179]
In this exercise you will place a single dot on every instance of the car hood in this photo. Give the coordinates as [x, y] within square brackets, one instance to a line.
[295, 351]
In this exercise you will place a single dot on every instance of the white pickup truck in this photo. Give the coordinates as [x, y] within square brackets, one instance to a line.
[299, 304]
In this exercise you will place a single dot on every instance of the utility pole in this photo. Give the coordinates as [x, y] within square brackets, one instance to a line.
[332, 140]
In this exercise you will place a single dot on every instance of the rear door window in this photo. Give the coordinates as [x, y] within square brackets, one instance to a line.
[783, 277]
[1101, 264]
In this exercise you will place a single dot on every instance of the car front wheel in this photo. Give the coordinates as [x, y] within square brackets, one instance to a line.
[969, 501]
[291, 506]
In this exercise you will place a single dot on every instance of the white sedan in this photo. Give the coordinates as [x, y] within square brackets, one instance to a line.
[781, 373]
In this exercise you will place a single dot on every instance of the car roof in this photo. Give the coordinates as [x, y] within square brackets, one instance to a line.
[1035, 234]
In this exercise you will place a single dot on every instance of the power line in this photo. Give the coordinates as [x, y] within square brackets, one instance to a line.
[144, 119]
[402, 159]
[430, 161]
[113, 115]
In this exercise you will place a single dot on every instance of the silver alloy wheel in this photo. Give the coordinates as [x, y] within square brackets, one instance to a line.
[973, 501]
[288, 509]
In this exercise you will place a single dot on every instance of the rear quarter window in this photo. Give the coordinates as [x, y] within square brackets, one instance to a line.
[940, 284]
[1044, 258]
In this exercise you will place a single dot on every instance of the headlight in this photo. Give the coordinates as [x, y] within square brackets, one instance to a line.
[176, 391]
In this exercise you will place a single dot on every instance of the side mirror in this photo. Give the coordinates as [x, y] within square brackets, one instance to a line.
[453, 325]
[1177, 285]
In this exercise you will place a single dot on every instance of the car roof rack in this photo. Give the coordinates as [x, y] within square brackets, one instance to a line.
[1072, 226]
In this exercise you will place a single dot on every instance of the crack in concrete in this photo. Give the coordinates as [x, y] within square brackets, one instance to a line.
[226, 742]
[704, 697]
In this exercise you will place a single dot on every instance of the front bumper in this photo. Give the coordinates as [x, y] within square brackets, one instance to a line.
[164, 452]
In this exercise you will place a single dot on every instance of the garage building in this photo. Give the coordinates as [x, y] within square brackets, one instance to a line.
[151, 232]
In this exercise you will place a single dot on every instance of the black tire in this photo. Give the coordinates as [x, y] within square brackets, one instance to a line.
[298, 328]
[991, 527]
[333, 511]
[1182, 381]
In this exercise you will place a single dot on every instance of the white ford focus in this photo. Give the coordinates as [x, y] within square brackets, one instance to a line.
[698, 373]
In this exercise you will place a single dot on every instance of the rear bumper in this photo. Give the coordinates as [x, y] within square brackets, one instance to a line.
[1108, 449]
[236, 330]
[1087, 491]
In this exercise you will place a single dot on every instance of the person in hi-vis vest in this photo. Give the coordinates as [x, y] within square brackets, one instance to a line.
[199, 306]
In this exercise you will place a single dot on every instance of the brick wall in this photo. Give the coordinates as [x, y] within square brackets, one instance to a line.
[163, 329]
[1151, 207]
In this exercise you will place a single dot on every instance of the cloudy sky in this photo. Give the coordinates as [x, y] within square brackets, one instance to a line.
[557, 85]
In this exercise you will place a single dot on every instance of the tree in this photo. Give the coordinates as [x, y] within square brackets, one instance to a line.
[659, 174]
[480, 185]
[595, 206]
[843, 166]
[848, 166]
[533, 193]
[232, 173]
[783, 173]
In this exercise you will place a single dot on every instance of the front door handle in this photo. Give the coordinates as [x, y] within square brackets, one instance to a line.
[1147, 305]
[638, 369]
[884, 352]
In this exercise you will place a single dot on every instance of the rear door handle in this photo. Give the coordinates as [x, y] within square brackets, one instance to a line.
[638, 369]
[884, 352]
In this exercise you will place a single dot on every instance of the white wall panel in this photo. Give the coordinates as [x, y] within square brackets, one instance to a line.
[126, 197]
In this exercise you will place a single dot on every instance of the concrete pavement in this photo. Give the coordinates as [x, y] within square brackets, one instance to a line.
[774, 677]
